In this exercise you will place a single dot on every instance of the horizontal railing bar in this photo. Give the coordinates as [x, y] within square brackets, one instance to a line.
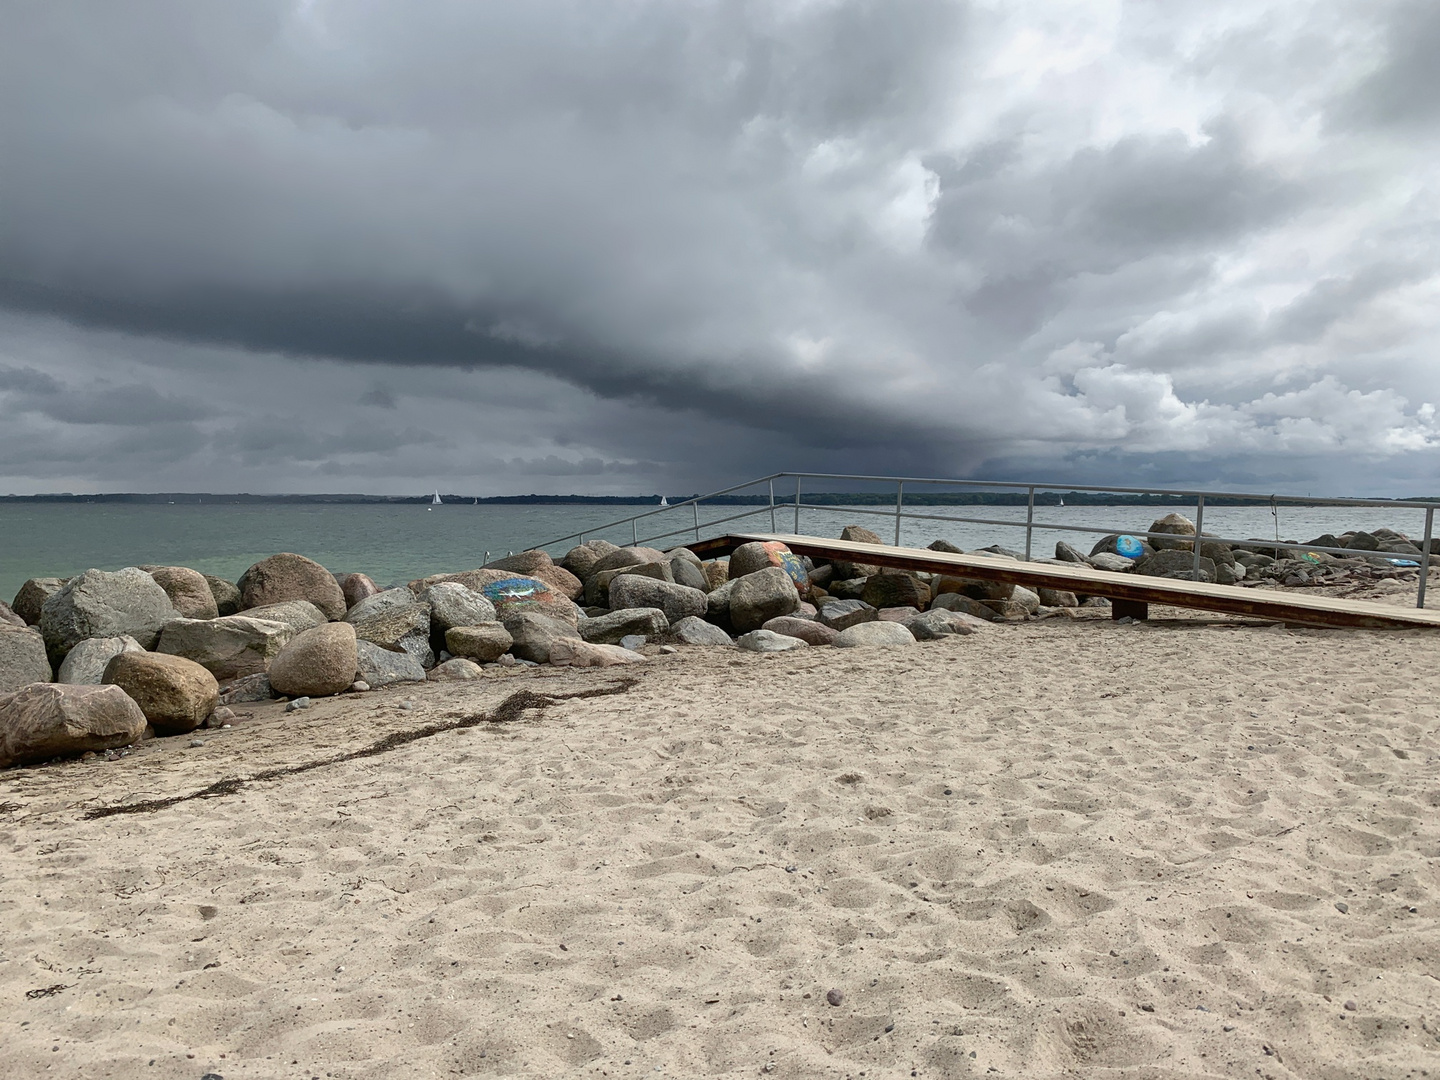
[721, 521]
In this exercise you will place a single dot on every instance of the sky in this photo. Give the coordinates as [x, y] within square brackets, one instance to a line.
[623, 246]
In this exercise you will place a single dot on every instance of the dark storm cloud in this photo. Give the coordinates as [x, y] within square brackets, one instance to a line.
[311, 239]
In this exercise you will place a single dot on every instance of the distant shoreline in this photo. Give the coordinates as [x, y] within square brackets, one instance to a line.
[1049, 498]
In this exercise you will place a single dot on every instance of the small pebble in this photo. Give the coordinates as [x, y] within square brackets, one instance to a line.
[359, 686]
[197, 742]
[949, 792]
[298, 704]
[1350, 1006]
[834, 996]
[406, 705]
[1342, 907]
[668, 649]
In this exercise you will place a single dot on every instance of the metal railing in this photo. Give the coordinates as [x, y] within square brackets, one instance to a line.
[900, 513]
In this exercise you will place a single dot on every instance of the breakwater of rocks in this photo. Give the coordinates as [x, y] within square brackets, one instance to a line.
[96, 662]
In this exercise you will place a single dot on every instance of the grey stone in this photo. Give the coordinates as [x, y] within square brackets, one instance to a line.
[845, 569]
[676, 601]
[962, 604]
[299, 615]
[84, 665]
[533, 634]
[1106, 545]
[1174, 563]
[807, 630]
[572, 652]
[317, 662]
[523, 562]
[1229, 573]
[874, 635]
[628, 556]
[696, 631]
[32, 596]
[380, 666]
[356, 587]
[1058, 598]
[456, 669]
[941, 623]
[388, 600]
[23, 659]
[1172, 524]
[176, 695]
[597, 589]
[102, 604]
[633, 642]
[609, 629]
[847, 588]
[686, 554]
[945, 546]
[895, 589]
[483, 642]
[842, 614]
[1028, 600]
[581, 560]
[452, 604]
[47, 720]
[288, 576]
[188, 590]
[767, 641]
[297, 705]
[8, 617]
[1115, 564]
[757, 598]
[748, 558]
[250, 688]
[406, 628]
[1065, 553]
[230, 647]
[226, 595]
[689, 574]
[717, 604]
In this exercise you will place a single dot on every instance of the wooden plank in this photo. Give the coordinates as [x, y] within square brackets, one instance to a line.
[1131, 588]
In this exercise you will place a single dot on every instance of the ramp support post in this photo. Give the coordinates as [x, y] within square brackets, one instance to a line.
[1134, 609]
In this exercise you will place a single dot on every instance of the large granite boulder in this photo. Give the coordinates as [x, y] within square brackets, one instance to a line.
[597, 589]
[8, 616]
[963, 604]
[609, 629]
[321, 661]
[845, 570]
[23, 659]
[250, 688]
[874, 635]
[760, 555]
[176, 695]
[767, 641]
[381, 603]
[1176, 525]
[629, 556]
[405, 627]
[757, 598]
[945, 546]
[807, 630]
[453, 604]
[717, 573]
[941, 623]
[581, 560]
[47, 720]
[32, 596]
[1058, 597]
[562, 581]
[231, 646]
[510, 593]
[1173, 563]
[1109, 561]
[676, 601]
[288, 576]
[522, 562]
[482, 642]
[689, 572]
[226, 594]
[456, 669]
[896, 589]
[299, 615]
[696, 631]
[843, 614]
[379, 666]
[188, 590]
[568, 652]
[533, 633]
[98, 603]
[1122, 544]
[85, 664]
[356, 587]
[1066, 553]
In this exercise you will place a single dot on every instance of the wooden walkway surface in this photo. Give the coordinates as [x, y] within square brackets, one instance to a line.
[1130, 594]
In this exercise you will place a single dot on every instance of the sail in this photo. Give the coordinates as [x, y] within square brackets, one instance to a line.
[436, 500]
[664, 501]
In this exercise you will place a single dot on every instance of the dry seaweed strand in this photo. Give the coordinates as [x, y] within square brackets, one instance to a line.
[508, 711]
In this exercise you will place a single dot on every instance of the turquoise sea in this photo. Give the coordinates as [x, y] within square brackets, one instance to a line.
[399, 543]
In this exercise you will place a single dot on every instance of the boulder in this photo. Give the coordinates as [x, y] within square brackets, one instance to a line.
[717, 573]
[533, 633]
[676, 601]
[32, 596]
[288, 576]
[103, 604]
[629, 556]
[1122, 544]
[379, 666]
[317, 662]
[891, 589]
[382, 603]
[1058, 598]
[1229, 573]
[945, 546]
[941, 623]
[47, 720]
[760, 555]
[757, 598]
[842, 614]
[23, 659]
[767, 641]
[846, 570]
[874, 635]
[609, 629]
[581, 560]
[1115, 564]
[229, 647]
[8, 616]
[524, 562]
[187, 589]
[452, 604]
[696, 631]
[1065, 553]
[456, 669]
[821, 576]
[483, 642]
[1026, 598]
[299, 615]
[562, 581]
[226, 594]
[960, 603]
[405, 627]
[1172, 524]
[85, 664]
[690, 574]
[686, 554]
[1173, 563]
[849, 588]
[356, 587]
[903, 615]
[807, 630]
[176, 695]
[250, 688]
[976, 588]
[567, 652]
[511, 594]
[1357, 541]
[597, 589]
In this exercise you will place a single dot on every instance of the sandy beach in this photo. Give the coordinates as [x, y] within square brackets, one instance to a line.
[1189, 848]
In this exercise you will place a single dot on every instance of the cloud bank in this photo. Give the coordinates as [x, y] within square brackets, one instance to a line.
[644, 246]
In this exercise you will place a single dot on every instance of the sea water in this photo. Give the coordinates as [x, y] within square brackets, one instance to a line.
[396, 543]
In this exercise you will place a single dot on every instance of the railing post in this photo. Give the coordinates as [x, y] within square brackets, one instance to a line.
[1199, 525]
[899, 499]
[1029, 523]
[773, 527]
[696, 507]
[1425, 556]
[797, 504]
[634, 534]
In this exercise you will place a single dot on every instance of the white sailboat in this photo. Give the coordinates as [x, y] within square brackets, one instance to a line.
[436, 500]
[664, 501]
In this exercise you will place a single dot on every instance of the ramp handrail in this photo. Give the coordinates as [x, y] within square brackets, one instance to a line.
[900, 512]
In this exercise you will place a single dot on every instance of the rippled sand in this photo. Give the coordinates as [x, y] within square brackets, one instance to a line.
[1169, 850]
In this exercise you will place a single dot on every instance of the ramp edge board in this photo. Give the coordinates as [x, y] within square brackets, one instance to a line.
[1230, 599]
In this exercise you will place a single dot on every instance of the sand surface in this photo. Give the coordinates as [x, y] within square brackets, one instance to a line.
[1060, 848]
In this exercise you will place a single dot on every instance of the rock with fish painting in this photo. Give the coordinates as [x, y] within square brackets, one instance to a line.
[508, 592]
[758, 555]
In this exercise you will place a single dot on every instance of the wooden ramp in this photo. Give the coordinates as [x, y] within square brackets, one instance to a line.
[1130, 594]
